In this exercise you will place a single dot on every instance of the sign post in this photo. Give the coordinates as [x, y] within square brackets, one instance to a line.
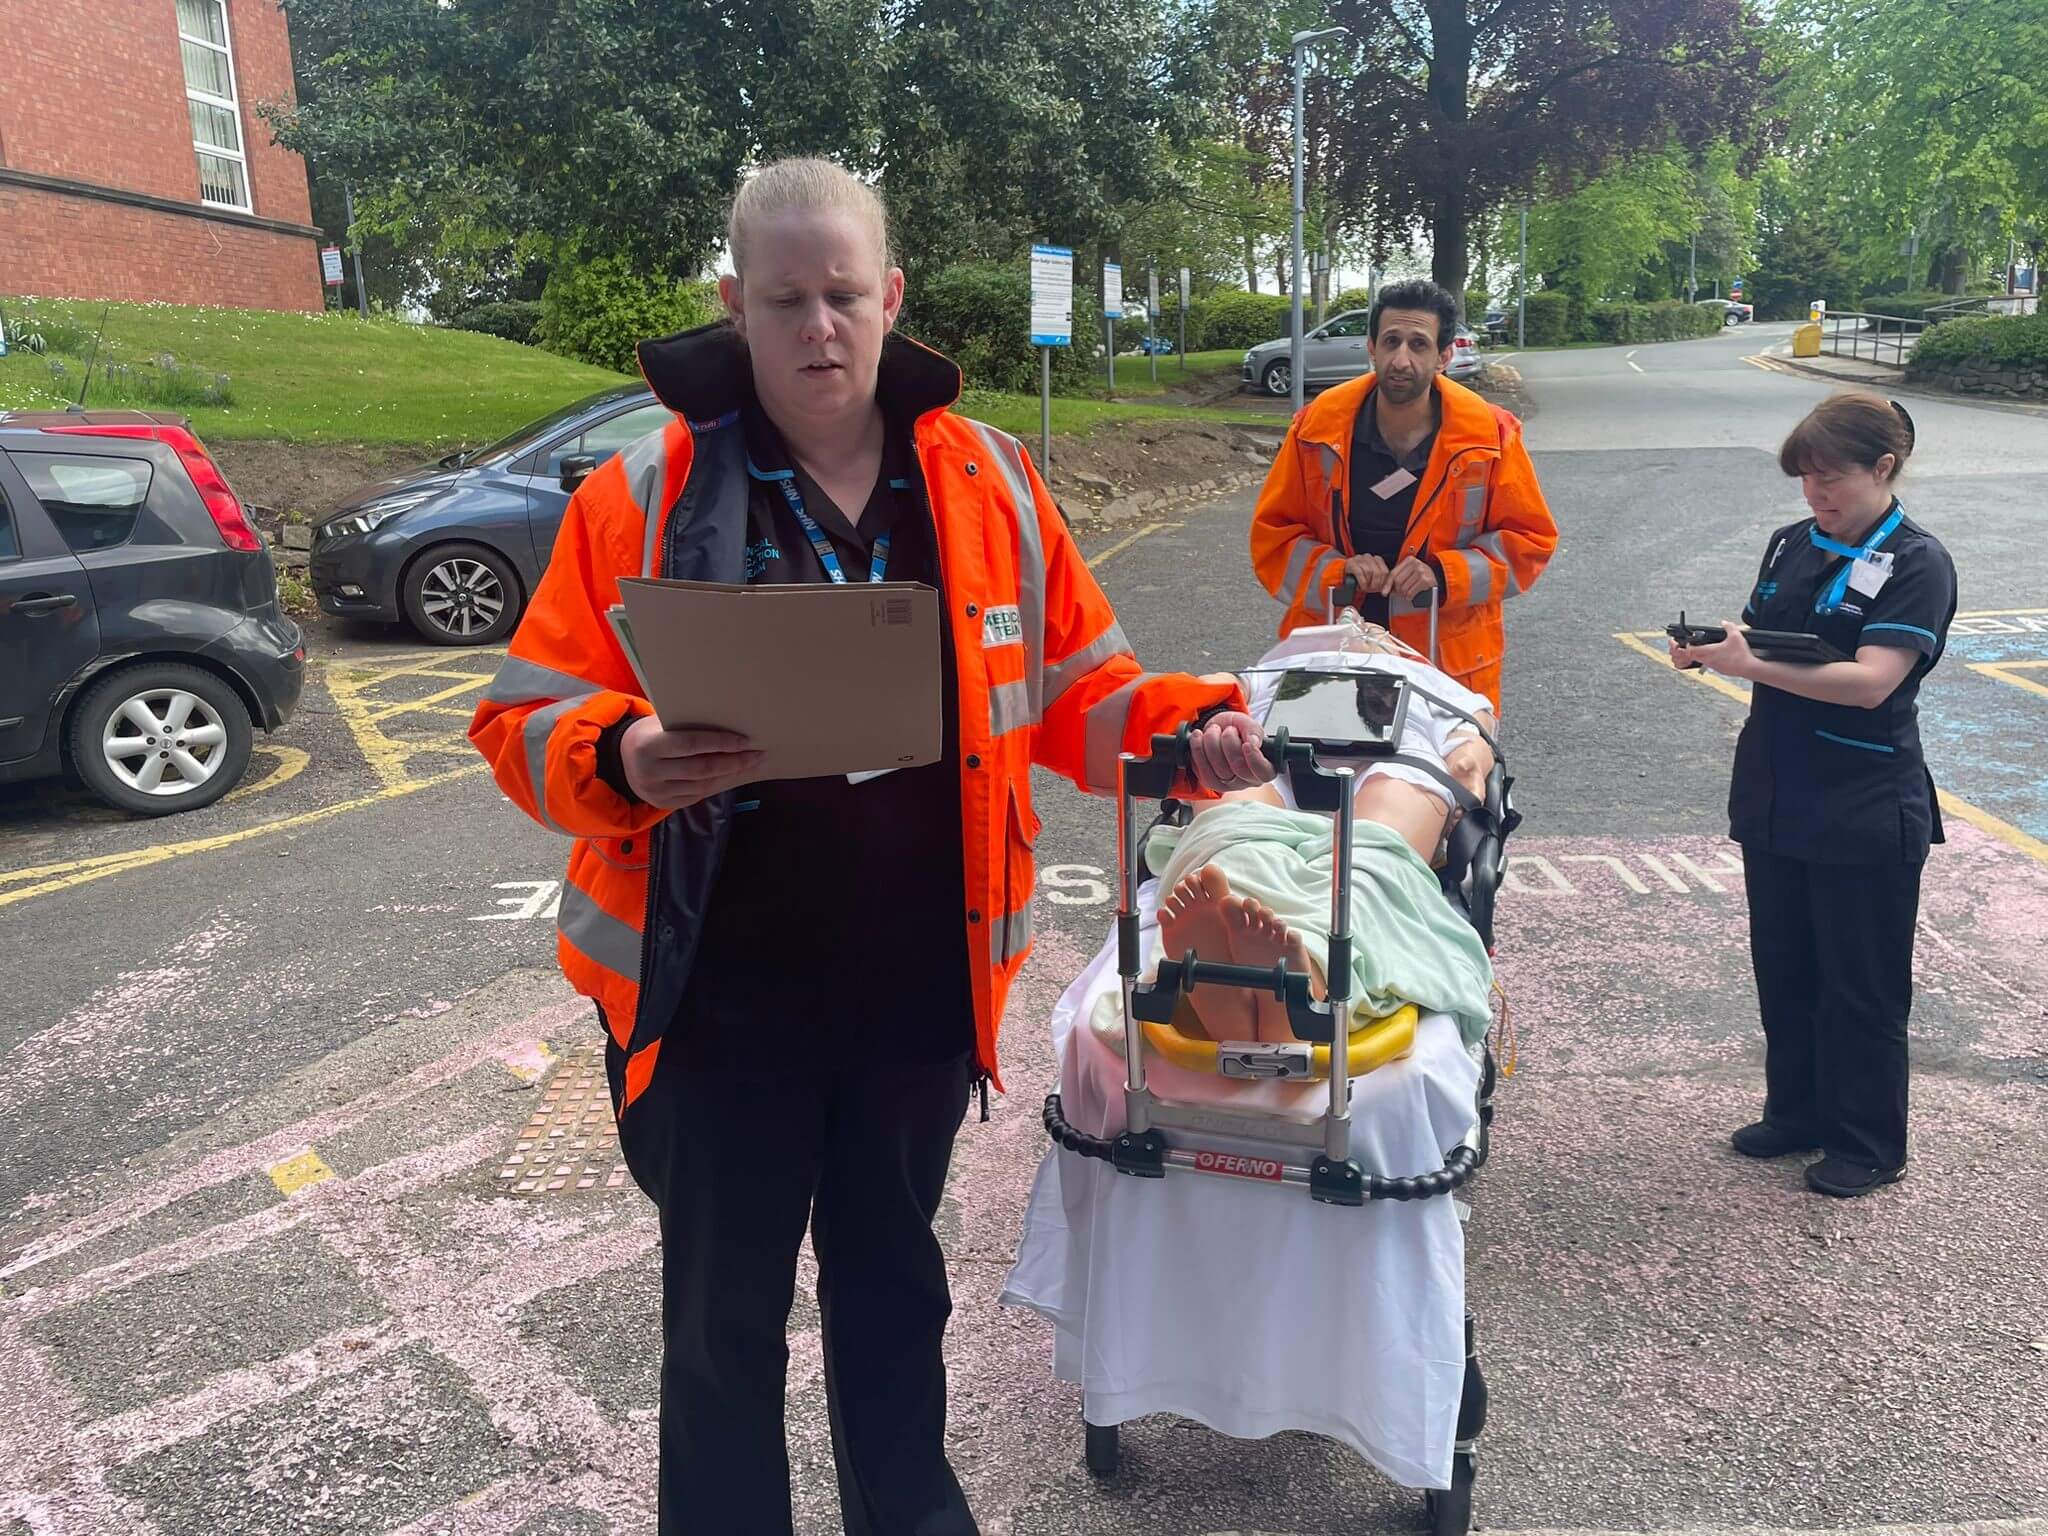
[1183, 319]
[1052, 325]
[1112, 306]
[330, 265]
[1152, 320]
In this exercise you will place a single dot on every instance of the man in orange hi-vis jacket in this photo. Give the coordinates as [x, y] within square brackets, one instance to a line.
[1411, 485]
[800, 980]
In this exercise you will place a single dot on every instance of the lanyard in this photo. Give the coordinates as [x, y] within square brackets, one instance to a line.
[1831, 599]
[878, 564]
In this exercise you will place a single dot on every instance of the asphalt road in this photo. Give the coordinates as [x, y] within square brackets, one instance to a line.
[202, 1331]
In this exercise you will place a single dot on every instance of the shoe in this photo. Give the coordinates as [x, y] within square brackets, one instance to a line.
[1843, 1179]
[1766, 1138]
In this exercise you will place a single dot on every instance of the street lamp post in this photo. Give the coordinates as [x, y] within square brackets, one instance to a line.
[1522, 285]
[1299, 45]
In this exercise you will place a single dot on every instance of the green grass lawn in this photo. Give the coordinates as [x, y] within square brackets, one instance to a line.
[336, 378]
[1134, 372]
[304, 378]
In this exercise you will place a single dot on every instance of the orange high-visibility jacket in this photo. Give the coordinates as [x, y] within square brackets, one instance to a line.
[1044, 675]
[1479, 516]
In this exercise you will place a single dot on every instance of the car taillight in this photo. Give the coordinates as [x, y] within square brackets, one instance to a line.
[221, 503]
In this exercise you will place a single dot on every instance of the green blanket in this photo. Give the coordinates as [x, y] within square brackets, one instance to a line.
[1408, 944]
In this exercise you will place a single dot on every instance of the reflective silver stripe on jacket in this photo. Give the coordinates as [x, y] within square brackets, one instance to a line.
[1473, 515]
[528, 682]
[1062, 675]
[1495, 545]
[1006, 454]
[611, 943]
[1009, 708]
[534, 732]
[1480, 570]
[1305, 549]
[1013, 934]
[645, 462]
[1103, 733]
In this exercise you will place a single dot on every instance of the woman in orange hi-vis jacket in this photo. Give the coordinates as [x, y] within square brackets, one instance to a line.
[802, 980]
[1409, 483]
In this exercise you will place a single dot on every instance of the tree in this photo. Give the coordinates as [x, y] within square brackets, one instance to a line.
[1447, 108]
[1918, 121]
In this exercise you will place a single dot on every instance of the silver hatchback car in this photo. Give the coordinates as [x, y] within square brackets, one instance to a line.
[1337, 350]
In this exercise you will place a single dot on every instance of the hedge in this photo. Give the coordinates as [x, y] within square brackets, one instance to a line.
[1664, 320]
[1904, 306]
[978, 313]
[2015, 343]
[599, 310]
[1234, 318]
[513, 319]
[1548, 318]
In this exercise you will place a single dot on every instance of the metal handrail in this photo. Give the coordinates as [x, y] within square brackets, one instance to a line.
[1890, 338]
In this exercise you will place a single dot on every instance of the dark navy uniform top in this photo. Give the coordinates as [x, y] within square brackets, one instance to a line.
[1831, 783]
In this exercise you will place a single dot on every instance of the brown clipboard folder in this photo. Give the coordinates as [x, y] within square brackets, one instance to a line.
[821, 678]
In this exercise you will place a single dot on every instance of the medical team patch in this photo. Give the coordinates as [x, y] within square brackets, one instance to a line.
[1002, 626]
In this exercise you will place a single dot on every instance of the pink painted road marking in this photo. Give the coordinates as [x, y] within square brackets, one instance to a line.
[56, 1485]
[401, 1175]
[233, 1162]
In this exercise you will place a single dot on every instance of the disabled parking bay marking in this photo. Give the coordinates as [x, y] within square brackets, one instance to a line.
[1971, 728]
[397, 707]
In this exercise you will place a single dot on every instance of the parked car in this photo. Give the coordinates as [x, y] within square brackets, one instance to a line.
[1467, 361]
[1338, 350]
[138, 612]
[1733, 311]
[455, 548]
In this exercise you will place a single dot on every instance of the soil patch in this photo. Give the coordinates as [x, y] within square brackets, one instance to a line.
[301, 482]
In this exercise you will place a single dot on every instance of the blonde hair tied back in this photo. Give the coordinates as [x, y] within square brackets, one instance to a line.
[804, 185]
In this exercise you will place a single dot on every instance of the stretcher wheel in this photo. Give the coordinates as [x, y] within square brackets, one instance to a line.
[1450, 1509]
[1102, 1448]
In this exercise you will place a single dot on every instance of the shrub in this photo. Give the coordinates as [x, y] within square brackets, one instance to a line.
[2014, 343]
[1475, 308]
[978, 313]
[1350, 298]
[1664, 320]
[1548, 318]
[513, 319]
[598, 310]
[1903, 306]
[1234, 318]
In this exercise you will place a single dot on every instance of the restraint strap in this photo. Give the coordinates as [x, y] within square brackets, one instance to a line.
[1451, 709]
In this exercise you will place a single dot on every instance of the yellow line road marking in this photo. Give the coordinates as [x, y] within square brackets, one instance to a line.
[291, 762]
[1123, 544]
[351, 685]
[296, 1173]
[61, 877]
[2003, 671]
[1953, 804]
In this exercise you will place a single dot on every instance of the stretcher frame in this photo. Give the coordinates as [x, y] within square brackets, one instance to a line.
[1161, 1136]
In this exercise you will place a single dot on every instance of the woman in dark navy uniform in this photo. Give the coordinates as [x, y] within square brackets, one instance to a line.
[1831, 799]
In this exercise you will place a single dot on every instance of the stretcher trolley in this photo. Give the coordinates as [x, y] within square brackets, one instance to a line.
[1295, 1157]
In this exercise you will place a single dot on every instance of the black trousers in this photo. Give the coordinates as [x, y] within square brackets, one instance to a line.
[1832, 945]
[859, 1155]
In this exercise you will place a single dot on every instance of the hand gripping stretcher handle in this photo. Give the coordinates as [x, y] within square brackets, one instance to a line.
[1345, 595]
[1171, 768]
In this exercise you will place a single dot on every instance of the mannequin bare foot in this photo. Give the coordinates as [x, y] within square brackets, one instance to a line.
[1196, 916]
[1201, 914]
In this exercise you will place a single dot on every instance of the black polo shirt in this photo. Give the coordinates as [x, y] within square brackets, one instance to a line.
[838, 919]
[1828, 782]
[1378, 524]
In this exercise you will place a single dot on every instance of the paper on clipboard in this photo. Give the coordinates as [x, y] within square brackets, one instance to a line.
[821, 678]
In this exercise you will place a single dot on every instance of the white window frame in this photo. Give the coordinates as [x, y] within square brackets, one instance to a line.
[229, 104]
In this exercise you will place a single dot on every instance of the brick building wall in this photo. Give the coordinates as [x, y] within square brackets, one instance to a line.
[95, 140]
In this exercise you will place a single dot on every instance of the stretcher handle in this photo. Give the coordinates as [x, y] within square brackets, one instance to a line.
[1156, 1000]
[1171, 766]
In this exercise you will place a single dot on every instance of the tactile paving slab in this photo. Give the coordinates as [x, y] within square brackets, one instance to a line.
[572, 1141]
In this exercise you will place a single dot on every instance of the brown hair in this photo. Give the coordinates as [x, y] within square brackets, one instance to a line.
[1849, 430]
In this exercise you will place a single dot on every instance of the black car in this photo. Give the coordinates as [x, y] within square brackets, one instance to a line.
[455, 549]
[140, 638]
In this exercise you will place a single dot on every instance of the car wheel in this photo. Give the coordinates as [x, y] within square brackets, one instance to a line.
[161, 737]
[461, 594]
[1278, 379]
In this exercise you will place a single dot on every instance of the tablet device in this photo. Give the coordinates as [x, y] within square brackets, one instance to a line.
[1792, 645]
[1343, 714]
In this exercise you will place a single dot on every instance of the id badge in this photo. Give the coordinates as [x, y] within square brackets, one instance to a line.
[1870, 572]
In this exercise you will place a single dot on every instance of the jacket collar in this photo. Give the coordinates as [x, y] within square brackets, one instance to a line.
[704, 375]
[1465, 419]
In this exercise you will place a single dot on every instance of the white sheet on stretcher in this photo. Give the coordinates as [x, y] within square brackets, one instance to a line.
[1245, 1305]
